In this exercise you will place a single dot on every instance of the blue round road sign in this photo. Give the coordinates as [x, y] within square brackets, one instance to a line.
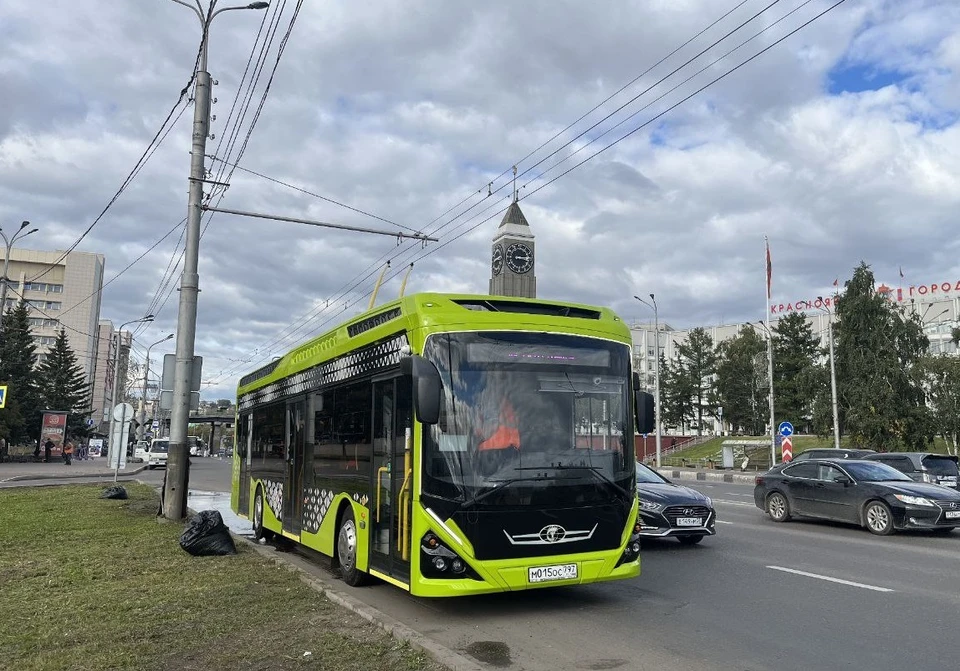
[786, 429]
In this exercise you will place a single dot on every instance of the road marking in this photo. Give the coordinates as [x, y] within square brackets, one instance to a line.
[722, 522]
[734, 503]
[829, 579]
[739, 494]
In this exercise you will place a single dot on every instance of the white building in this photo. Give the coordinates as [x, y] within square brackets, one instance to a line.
[936, 304]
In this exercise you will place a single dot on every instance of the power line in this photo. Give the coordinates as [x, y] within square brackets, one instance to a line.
[144, 157]
[735, 68]
[311, 193]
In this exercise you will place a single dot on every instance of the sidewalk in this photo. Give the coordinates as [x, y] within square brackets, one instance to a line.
[56, 470]
[712, 475]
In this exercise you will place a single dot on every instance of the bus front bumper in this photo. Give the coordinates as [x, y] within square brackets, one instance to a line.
[525, 574]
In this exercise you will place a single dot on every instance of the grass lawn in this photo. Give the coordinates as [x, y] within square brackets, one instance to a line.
[712, 448]
[87, 583]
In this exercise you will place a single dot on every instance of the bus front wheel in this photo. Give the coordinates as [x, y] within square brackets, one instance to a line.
[258, 531]
[347, 550]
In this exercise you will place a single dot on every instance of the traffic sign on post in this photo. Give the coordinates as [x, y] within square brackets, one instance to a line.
[786, 429]
[786, 449]
[3, 396]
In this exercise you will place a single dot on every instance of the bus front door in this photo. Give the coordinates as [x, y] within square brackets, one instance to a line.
[293, 476]
[392, 481]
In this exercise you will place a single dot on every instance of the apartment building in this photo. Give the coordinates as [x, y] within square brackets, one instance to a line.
[61, 290]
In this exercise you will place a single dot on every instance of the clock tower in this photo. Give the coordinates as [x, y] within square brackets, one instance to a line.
[512, 261]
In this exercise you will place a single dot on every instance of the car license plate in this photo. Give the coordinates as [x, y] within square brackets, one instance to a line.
[548, 573]
[952, 514]
[689, 521]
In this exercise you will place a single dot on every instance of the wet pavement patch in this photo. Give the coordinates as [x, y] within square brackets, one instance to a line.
[494, 653]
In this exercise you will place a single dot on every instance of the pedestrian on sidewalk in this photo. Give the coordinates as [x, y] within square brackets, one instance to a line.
[47, 449]
[68, 452]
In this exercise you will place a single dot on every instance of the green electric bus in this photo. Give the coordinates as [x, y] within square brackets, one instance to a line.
[450, 445]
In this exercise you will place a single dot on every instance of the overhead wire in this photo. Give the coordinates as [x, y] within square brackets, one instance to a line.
[435, 249]
[491, 192]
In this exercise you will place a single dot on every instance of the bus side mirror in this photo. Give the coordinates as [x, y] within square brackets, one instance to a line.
[646, 413]
[427, 388]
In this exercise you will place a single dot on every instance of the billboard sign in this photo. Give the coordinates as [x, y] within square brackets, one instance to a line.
[53, 428]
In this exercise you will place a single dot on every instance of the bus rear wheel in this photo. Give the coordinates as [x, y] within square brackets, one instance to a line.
[258, 531]
[347, 550]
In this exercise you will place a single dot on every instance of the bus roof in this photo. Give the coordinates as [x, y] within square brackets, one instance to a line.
[419, 315]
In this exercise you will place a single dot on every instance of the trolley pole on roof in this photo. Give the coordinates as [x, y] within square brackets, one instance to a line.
[176, 478]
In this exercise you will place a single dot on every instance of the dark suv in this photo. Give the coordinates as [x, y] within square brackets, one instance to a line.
[832, 453]
[937, 469]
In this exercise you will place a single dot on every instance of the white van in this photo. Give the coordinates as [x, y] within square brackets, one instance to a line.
[157, 456]
[140, 451]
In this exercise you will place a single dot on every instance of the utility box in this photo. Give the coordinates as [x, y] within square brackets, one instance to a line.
[727, 456]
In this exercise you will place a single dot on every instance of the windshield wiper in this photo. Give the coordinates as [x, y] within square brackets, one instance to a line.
[500, 485]
[596, 470]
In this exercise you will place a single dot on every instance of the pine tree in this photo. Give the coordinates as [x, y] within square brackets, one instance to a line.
[741, 384]
[676, 393]
[700, 363]
[942, 374]
[879, 380]
[797, 378]
[63, 385]
[21, 417]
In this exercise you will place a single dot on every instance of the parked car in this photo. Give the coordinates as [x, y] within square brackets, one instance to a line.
[862, 492]
[667, 509]
[937, 469]
[832, 453]
[158, 453]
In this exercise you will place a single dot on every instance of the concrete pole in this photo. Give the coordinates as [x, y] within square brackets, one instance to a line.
[175, 482]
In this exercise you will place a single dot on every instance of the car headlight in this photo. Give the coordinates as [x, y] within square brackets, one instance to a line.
[651, 506]
[914, 500]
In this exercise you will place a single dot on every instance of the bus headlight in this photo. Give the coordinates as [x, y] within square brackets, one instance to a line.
[439, 561]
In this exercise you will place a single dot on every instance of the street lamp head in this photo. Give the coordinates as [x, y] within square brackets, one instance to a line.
[30, 231]
[148, 318]
[168, 337]
[258, 5]
[652, 298]
[24, 224]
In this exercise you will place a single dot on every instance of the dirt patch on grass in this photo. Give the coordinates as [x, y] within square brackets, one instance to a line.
[96, 583]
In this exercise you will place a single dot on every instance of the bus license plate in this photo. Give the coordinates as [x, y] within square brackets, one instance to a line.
[689, 521]
[548, 573]
[952, 514]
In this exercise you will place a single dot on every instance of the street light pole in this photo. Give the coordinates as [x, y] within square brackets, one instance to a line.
[833, 377]
[656, 367]
[176, 478]
[116, 382]
[773, 426]
[6, 263]
[146, 371]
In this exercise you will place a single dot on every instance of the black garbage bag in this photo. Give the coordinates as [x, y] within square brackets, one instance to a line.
[115, 492]
[206, 535]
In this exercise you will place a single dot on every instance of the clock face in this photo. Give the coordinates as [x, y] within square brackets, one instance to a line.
[519, 258]
[497, 259]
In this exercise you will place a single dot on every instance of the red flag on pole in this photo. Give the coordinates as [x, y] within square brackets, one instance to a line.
[769, 270]
[836, 282]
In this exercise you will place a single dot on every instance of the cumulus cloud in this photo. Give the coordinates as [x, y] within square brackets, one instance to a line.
[840, 143]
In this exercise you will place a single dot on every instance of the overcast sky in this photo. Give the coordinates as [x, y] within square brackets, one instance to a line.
[841, 143]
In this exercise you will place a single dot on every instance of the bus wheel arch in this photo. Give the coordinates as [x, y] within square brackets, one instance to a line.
[345, 553]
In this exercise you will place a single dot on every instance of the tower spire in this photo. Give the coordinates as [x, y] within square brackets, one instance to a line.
[514, 183]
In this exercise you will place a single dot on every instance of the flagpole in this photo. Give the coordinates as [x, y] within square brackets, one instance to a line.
[773, 426]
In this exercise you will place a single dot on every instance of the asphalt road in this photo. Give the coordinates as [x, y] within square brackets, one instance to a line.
[736, 601]
[759, 595]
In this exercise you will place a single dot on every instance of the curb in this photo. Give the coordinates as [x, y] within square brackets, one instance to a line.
[70, 476]
[440, 653]
[736, 478]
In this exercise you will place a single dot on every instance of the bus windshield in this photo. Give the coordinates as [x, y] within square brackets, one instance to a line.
[529, 412]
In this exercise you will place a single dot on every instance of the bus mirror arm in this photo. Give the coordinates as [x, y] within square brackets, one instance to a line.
[427, 388]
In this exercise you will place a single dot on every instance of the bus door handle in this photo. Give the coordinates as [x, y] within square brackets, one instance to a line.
[380, 472]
